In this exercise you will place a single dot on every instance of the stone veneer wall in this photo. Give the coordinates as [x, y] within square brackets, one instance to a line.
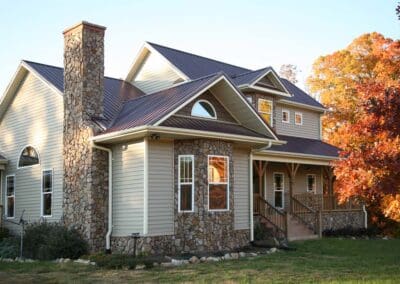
[201, 230]
[85, 191]
[340, 219]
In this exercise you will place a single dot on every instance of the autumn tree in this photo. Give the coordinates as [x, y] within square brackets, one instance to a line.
[289, 72]
[370, 163]
[335, 79]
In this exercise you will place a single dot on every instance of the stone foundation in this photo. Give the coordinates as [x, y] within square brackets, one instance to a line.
[340, 219]
[172, 244]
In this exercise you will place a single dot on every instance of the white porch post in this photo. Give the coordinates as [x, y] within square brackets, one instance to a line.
[251, 197]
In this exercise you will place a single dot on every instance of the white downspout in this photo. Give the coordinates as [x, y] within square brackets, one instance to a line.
[365, 217]
[110, 194]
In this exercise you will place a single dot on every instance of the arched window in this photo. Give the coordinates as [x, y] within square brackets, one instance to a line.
[28, 157]
[205, 109]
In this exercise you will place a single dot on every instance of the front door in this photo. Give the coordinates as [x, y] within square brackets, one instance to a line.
[279, 190]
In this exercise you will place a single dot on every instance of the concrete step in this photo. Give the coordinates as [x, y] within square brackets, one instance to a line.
[302, 238]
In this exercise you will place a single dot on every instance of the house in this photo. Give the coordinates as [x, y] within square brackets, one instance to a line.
[187, 152]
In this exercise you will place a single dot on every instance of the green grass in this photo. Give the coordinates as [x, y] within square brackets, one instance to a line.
[320, 261]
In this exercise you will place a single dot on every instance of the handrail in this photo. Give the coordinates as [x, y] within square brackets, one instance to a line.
[307, 215]
[271, 214]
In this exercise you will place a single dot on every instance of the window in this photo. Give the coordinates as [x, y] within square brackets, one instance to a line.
[186, 183]
[265, 109]
[279, 189]
[28, 157]
[47, 192]
[218, 183]
[10, 200]
[285, 116]
[298, 118]
[204, 108]
[249, 99]
[311, 183]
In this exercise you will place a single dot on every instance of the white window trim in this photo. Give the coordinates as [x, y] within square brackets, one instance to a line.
[42, 193]
[225, 183]
[288, 112]
[315, 183]
[204, 116]
[283, 188]
[20, 153]
[271, 122]
[6, 199]
[185, 183]
[301, 115]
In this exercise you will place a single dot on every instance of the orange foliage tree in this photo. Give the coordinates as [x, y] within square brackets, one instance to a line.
[360, 86]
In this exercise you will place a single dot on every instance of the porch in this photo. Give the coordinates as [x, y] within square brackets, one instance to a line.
[297, 199]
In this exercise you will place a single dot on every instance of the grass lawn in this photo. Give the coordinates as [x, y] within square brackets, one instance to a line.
[322, 261]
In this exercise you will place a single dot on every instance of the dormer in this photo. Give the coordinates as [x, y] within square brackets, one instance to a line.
[264, 80]
[151, 72]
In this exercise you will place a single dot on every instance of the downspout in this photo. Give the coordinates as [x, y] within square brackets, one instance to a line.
[110, 194]
[365, 217]
[251, 189]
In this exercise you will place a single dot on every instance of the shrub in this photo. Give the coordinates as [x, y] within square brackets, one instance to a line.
[47, 241]
[350, 231]
[261, 232]
[4, 233]
[9, 247]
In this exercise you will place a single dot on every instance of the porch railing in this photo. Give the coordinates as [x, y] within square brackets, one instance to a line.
[275, 217]
[307, 215]
[331, 203]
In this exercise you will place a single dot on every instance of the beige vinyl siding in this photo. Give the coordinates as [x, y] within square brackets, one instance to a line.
[35, 117]
[128, 188]
[309, 129]
[300, 185]
[161, 188]
[241, 189]
[155, 74]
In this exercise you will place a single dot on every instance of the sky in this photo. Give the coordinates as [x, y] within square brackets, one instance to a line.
[252, 33]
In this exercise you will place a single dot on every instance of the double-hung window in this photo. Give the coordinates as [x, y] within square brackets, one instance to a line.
[10, 199]
[311, 183]
[279, 190]
[47, 192]
[186, 183]
[298, 118]
[265, 108]
[218, 183]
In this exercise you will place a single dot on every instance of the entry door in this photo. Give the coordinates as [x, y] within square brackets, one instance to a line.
[279, 189]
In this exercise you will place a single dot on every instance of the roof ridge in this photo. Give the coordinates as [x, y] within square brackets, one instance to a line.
[58, 67]
[251, 71]
[196, 55]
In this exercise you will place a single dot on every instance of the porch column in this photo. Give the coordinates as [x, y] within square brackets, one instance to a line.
[292, 171]
[328, 172]
[260, 167]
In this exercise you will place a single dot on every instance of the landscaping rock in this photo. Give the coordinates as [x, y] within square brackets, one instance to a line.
[273, 250]
[82, 261]
[203, 259]
[179, 262]
[8, 260]
[140, 267]
[253, 254]
[242, 254]
[227, 256]
[66, 260]
[156, 264]
[235, 255]
[194, 259]
[213, 259]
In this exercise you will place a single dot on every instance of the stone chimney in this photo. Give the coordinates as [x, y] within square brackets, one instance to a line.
[85, 169]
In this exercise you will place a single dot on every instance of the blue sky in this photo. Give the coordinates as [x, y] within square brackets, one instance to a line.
[252, 34]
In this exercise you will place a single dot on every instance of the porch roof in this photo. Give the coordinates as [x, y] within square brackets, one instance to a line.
[305, 146]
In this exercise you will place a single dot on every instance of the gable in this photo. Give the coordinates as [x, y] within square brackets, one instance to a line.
[222, 113]
[151, 72]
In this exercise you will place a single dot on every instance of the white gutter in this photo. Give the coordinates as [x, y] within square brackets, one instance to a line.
[110, 194]
[145, 130]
